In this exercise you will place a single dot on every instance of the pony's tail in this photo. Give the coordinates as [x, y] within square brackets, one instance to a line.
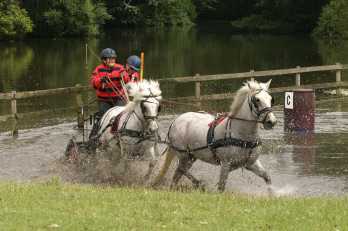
[168, 157]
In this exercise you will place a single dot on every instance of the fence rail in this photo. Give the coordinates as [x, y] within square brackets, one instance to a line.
[252, 74]
[197, 79]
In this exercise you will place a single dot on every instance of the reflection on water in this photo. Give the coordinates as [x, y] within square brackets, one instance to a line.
[302, 146]
[49, 63]
[318, 154]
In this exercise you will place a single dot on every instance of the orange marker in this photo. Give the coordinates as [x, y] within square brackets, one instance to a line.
[141, 66]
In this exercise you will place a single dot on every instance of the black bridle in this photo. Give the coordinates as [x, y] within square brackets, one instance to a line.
[142, 134]
[254, 107]
[143, 108]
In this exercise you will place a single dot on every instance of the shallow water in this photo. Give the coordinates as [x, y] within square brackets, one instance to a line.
[299, 164]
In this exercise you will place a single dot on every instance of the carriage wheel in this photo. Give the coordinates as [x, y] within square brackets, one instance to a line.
[72, 151]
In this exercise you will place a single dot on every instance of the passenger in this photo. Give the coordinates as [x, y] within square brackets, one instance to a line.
[133, 68]
[108, 79]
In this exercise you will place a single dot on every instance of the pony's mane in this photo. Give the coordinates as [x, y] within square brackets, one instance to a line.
[246, 90]
[140, 90]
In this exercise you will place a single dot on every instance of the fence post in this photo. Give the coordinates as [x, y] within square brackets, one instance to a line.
[80, 109]
[197, 88]
[298, 77]
[338, 78]
[252, 74]
[14, 114]
[338, 72]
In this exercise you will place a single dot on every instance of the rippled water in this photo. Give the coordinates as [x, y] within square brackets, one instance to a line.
[299, 164]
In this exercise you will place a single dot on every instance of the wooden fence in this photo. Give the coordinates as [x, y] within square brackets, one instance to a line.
[197, 79]
[296, 72]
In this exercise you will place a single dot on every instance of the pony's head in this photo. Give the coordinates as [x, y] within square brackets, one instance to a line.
[146, 96]
[259, 101]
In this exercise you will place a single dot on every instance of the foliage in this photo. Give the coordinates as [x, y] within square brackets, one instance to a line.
[75, 17]
[54, 205]
[84, 17]
[170, 12]
[281, 16]
[14, 21]
[67, 18]
[152, 12]
[125, 12]
[333, 20]
[204, 6]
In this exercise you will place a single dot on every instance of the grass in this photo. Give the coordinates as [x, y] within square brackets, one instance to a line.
[57, 206]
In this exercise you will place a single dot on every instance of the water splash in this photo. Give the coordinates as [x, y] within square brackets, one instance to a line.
[286, 190]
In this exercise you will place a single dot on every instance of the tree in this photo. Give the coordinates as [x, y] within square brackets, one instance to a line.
[170, 13]
[333, 20]
[282, 15]
[14, 21]
[152, 12]
[67, 17]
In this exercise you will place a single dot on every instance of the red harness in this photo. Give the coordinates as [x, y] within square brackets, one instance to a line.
[217, 120]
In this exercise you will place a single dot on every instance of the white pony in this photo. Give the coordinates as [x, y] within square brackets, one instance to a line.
[130, 128]
[229, 141]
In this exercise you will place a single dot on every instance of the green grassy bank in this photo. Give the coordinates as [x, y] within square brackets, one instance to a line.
[55, 206]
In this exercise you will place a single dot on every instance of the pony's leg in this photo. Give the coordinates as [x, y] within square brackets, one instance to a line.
[179, 171]
[184, 165]
[224, 171]
[169, 155]
[123, 157]
[149, 170]
[196, 183]
[258, 169]
[152, 151]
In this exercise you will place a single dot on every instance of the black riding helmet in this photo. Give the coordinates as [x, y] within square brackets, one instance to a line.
[108, 53]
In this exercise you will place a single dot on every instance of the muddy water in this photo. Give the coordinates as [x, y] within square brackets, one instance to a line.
[310, 164]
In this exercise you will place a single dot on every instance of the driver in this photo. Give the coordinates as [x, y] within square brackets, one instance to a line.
[108, 79]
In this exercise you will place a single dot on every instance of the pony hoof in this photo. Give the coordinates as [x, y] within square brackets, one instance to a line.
[221, 189]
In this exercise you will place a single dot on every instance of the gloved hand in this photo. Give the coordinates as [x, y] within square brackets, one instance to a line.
[104, 79]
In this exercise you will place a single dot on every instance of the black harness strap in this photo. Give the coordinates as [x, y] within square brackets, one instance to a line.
[125, 131]
[228, 140]
[188, 150]
[213, 144]
[234, 142]
[131, 133]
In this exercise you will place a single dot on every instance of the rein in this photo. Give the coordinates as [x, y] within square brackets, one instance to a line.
[142, 134]
[129, 132]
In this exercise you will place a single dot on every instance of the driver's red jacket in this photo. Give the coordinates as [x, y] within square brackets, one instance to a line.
[111, 87]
